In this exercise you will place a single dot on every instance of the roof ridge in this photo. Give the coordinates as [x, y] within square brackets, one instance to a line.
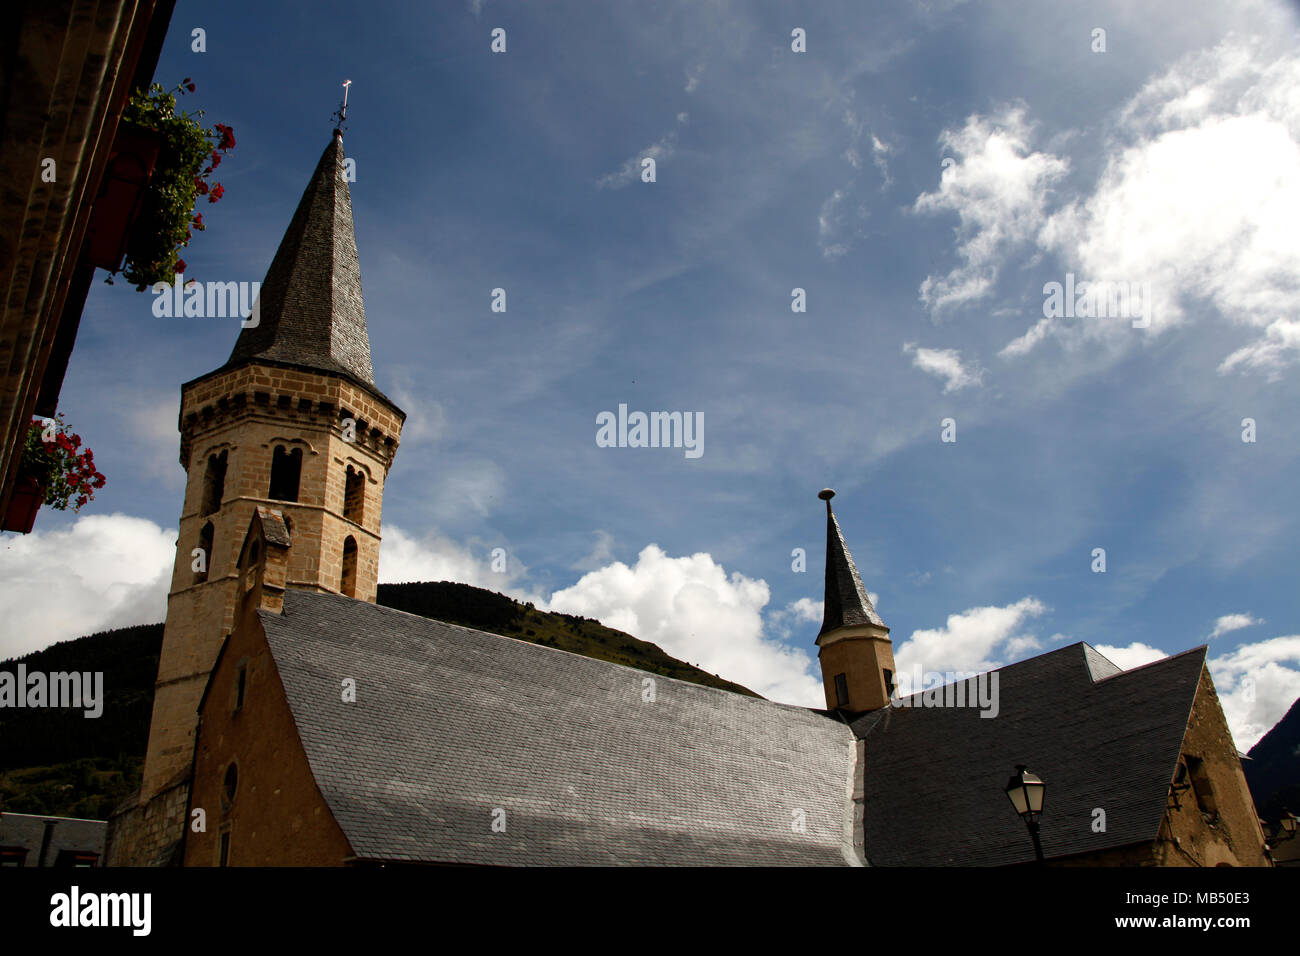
[1203, 649]
[547, 647]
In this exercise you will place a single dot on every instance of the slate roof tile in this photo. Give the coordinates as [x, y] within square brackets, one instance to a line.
[452, 723]
[935, 776]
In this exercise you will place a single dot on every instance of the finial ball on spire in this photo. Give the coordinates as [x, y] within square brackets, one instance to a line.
[826, 494]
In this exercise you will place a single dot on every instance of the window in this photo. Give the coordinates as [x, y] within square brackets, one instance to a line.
[286, 470]
[214, 485]
[841, 691]
[230, 785]
[76, 859]
[205, 545]
[223, 853]
[354, 495]
[348, 584]
[241, 682]
[12, 855]
[889, 683]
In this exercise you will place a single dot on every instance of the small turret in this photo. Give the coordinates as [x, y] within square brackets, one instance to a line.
[856, 654]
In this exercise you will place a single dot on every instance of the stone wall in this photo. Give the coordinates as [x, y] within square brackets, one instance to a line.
[276, 815]
[1228, 834]
[148, 833]
[246, 413]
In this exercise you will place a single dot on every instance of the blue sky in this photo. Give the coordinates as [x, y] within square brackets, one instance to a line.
[921, 171]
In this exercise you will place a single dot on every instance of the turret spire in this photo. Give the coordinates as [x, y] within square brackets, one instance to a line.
[847, 602]
[853, 646]
[310, 311]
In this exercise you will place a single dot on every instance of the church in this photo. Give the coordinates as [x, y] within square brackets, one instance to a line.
[297, 722]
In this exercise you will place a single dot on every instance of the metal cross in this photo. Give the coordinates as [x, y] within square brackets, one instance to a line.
[342, 112]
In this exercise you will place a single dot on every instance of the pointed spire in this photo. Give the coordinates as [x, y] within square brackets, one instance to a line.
[310, 309]
[846, 603]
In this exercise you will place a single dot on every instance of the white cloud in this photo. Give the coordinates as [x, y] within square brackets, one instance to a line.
[1130, 656]
[426, 420]
[879, 151]
[842, 214]
[832, 224]
[691, 608]
[465, 487]
[104, 571]
[977, 639]
[145, 433]
[998, 188]
[630, 171]
[1270, 354]
[108, 571]
[1232, 622]
[1257, 683]
[693, 77]
[806, 610]
[1199, 199]
[602, 552]
[433, 557]
[945, 364]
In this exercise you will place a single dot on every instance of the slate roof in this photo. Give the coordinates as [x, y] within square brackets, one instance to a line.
[451, 723]
[1099, 737]
[846, 602]
[69, 833]
[311, 309]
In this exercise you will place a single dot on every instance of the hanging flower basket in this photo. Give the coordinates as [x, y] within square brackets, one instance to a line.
[121, 197]
[55, 470]
[188, 153]
[26, 501]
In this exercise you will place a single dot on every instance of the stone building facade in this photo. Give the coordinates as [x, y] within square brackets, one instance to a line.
[292, 421]
[298, 723]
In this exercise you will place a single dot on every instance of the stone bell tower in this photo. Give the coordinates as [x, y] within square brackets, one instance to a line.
[293, 422]
[856, 654]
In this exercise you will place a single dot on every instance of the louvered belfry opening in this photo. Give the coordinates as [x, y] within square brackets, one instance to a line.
[286, 473]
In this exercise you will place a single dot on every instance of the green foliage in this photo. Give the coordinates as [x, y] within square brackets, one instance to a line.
[89, 788]
[487, 611]
[73, 766]
[128, 659]
[63, 468]
[179, 178]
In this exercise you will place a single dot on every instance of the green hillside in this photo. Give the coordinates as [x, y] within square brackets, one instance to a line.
[488, 611]
[58, 762]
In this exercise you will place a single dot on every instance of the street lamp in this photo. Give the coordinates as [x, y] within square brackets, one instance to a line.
[1288, 823]
[1026, 790]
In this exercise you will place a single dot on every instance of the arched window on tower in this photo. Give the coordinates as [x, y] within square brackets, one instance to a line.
[348, 584]
[204, 561]
[286, 470]
[214, 485]
[354, 495]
